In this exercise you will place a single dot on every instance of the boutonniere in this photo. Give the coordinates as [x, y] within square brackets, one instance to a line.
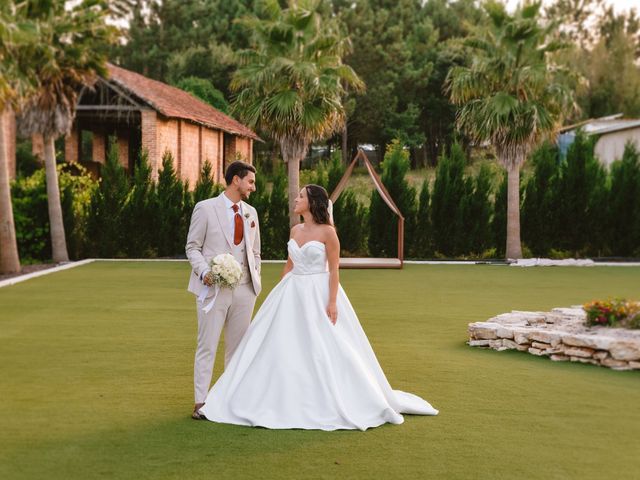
[246, 215]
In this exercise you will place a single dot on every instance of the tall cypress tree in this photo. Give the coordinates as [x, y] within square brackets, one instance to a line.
[383, 239]
[499, 222]
[422, 240]
[477, 211]
[449, 190]
[540, 224]
[582, 211]
[171, 233]
[140, 212]
[105, 228]
[624, 203]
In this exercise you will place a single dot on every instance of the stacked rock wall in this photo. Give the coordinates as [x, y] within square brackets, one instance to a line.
[562, 335]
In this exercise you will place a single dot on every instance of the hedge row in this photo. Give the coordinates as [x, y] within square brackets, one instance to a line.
[570, 207]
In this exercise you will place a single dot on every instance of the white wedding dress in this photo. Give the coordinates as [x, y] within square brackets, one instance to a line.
[295, 369]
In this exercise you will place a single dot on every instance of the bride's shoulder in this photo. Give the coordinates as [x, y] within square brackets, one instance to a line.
[328, 232]
[294, 229]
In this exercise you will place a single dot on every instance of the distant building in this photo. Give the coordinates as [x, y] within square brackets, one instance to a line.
[141, 113]
[613, 133]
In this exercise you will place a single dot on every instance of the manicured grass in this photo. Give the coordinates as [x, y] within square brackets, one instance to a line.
[96, 382]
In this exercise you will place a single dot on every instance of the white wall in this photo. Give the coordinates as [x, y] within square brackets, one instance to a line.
[610, 146]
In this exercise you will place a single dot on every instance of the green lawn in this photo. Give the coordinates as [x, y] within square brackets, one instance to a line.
[96, 382]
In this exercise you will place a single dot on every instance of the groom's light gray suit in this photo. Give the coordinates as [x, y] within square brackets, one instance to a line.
[211, 233]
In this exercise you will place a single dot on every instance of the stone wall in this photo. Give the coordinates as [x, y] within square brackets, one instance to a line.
[560, 334]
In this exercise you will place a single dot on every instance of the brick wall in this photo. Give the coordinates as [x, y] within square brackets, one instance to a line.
[123, 150]
[71, 146]
[229, 149]
[189, 152]
[99, 153]
[211, 150]
[244, 147]
[150, 139]
[167, 130]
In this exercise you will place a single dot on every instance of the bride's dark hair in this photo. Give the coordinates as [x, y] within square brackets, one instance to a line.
[318, 204]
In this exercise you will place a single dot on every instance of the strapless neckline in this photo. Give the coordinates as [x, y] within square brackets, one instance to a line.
[305, 243]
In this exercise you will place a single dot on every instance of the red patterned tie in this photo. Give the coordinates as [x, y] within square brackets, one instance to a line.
[238, 231]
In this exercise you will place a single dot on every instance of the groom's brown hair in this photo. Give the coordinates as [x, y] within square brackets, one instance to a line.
[238, 168]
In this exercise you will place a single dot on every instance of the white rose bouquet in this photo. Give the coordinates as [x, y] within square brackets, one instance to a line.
[225, 271]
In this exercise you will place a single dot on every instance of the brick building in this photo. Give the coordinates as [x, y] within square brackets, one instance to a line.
[146, 114]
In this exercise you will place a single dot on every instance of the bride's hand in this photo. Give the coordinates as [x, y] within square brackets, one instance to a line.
[332, 312]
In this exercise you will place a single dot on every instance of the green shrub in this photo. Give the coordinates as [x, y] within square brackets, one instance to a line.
[499, 222]
[105, 229]
[475, 237]
[29, 198]
[422, 242]
[582, 200]
[624, 204]
[172, 219]
[276, 223]
[540, 225]
[350, 219]
[383, 237]
[140, 212]
[447, 208]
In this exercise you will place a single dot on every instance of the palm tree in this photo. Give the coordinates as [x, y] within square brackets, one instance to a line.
[513, 95]
[16, 35]
[70, 55]
[292, 81]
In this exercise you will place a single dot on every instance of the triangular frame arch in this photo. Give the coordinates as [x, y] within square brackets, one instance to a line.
[372, 262]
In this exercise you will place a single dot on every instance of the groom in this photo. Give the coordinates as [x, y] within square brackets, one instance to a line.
[224, 224]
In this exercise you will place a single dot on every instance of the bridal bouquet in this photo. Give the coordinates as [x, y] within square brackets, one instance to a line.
[225, 271]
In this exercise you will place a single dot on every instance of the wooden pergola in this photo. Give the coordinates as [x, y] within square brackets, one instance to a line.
[372, 262]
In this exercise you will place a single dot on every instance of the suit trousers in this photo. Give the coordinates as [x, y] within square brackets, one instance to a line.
[232, 311]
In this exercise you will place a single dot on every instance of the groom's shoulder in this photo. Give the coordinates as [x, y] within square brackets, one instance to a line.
[250, 207]
[206, 203]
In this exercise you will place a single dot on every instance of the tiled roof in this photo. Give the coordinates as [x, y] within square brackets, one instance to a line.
[175, 103]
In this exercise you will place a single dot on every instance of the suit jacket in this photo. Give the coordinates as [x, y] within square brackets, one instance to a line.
[209, 235]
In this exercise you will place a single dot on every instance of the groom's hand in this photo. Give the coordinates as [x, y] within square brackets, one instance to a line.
[206, 279]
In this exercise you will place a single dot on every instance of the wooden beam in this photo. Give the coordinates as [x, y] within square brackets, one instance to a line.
[106, 108]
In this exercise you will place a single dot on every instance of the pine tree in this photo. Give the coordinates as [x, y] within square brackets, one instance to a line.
[499, 222]
[278, 216]
[105, 227]
[583, 199]
[350, 219]
[383, 239]
[446, 202]
[171, 233]
[624, 202]
[140, 212]
[477, 211]
[205, 186]
[539, 208]
[422, 241]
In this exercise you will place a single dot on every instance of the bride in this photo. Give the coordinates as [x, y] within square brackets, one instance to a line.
[305, 361]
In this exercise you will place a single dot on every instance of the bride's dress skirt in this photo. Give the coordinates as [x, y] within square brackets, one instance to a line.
[294, 369]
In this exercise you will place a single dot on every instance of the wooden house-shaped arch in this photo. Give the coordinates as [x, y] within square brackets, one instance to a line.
[372, 262]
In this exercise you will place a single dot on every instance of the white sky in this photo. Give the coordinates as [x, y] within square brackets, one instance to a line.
[618, 5]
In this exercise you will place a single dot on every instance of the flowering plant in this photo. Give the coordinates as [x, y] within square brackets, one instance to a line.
[225, 271]
[613, 313]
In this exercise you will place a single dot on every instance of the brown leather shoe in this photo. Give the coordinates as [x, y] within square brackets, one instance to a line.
[197, 414]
